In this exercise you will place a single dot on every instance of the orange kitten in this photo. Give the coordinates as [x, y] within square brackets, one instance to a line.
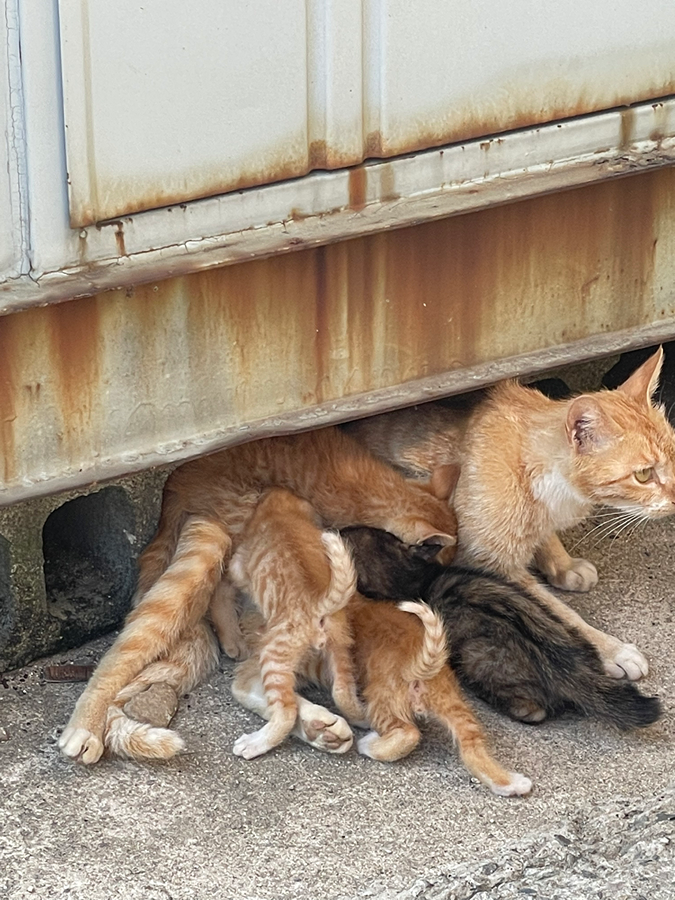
[402, 671]
[205, 507]
[530, 467]
[301, 580]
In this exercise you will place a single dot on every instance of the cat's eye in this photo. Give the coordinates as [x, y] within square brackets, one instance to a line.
[644, 475]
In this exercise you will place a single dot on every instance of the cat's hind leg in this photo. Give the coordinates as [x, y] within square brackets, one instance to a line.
[224, 616]
[315, 725]
[393, 741]
[445, 702]
[280, 652]
[175, 602]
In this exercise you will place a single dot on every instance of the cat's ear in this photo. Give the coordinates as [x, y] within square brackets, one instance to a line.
[587, 427]
[645, 380]
[444, 481]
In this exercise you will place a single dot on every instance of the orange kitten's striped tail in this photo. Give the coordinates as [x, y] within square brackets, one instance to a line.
[343, 574]
[434, 650]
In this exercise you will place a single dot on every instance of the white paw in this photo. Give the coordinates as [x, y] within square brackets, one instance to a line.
[519, 786]
[628, 662]
[364, 744]
[323, 730]
[581, 576]
[249, 746]
[81, 745]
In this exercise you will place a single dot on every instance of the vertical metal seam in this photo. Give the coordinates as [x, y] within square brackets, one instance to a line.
[89, 110]
[16, 139]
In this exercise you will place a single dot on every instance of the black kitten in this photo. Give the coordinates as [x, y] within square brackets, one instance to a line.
[505, 646]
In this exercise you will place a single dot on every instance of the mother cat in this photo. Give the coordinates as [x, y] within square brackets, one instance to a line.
[530, 467]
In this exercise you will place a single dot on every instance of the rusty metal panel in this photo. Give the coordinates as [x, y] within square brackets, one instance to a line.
[166, 102]
[128, 379]
[323, 206]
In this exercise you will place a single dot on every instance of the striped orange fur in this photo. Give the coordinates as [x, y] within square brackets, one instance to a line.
[205, 507]
[301, 580]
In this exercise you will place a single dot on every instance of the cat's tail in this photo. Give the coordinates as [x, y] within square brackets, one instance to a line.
[153, 696]
[433, 653]
[343, 575]
[618, 702]
[130, 739]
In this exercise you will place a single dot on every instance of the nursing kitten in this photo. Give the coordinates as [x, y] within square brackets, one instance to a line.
[531, 466]
[402, 671]
[504, 644]
[301, 580]
[205, 507]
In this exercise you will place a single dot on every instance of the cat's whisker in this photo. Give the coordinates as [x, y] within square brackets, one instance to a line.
[633, 522]
[604, 529]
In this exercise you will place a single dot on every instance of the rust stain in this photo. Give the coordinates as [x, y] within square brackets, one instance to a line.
[9, 401]
[75, 338]
[293, 157]
[239, 344]
[318, 155]
[119, 240]
[357, 188]
[661, 122]
[627, 128]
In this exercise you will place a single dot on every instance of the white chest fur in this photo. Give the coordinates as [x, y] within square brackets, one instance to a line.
[565, 504]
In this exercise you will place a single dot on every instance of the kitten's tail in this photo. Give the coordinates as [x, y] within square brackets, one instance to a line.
[434, 650]
[343, 574]
[619, 703]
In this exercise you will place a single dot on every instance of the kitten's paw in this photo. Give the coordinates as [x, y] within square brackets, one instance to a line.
[581, 576]
[527, 711]
[248, 746]
[81, 745]
[365, 744]
[234, 645]
[628, 663]
[518, 786]
[321, 729]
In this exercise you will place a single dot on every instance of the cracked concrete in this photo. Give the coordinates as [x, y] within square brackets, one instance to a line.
[299, 824]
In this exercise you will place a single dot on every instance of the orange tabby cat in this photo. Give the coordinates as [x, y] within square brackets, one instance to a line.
[530, 467]
[301, 580]
[402, 670]
[205, 507]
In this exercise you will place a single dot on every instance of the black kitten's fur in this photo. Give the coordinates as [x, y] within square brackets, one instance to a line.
[504, 645]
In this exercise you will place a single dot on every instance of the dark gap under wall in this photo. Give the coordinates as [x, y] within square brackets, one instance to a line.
[90, 563]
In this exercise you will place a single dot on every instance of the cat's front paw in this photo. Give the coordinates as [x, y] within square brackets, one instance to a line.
[81, 745]
[321, 729]
[248, 746]
[581, 576]
[627, 662]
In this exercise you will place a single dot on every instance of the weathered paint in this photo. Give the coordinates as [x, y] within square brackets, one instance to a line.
[274, 90]
[132, 378]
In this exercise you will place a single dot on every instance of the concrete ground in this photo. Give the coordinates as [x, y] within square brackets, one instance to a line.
[299, 824]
